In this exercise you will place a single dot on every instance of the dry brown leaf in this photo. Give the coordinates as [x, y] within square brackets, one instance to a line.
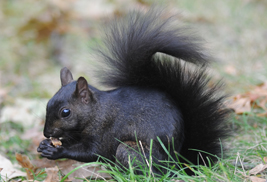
[240, 104]
[260, 93]
[262, 87]
[258, 169]
[67, 165]
[265, 159]
[262, 103]
[264, 114]
[25, 162]
[256, 179]
[256, 98]
[50, 20]
[52, 174]
[8, 170]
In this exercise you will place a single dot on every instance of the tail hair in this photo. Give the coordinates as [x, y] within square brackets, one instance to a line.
[132, 42]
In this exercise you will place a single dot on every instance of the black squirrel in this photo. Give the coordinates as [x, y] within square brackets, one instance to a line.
[155, 95]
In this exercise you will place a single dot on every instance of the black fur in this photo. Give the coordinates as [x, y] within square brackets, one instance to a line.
[155, 96]
[133, 62]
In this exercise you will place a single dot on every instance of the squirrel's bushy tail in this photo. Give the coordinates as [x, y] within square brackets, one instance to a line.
[132, 45]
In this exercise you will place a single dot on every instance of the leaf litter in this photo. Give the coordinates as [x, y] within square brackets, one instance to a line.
[55, 169]
[241, 103]
[256, 98]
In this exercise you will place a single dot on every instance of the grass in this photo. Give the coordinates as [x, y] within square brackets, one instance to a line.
[235, 32]
[244, 153]
[246, 149]
[11, 142]
[243, 156]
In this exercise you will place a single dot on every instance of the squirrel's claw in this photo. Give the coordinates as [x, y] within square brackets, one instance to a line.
[49, 151]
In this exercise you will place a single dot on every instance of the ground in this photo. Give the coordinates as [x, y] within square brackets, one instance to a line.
[39, 38]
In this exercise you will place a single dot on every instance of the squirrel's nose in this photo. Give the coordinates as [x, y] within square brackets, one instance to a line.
[47, 134]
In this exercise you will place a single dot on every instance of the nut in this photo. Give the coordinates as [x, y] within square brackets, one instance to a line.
[56, 142]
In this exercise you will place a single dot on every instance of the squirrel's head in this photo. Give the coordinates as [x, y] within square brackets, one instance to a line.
[65, 112]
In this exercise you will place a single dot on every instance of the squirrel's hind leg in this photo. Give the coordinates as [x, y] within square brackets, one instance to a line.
[129, 153]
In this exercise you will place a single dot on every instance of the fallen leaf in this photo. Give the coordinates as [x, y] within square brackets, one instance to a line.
[240, 104]
[52, 174]
[68, 165]
[265, 159]
[8, 170]
[264, 114]
[258, 169]
[256, 179]
[256, 98]
[25, 162]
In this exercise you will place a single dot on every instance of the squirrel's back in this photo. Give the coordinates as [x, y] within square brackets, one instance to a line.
[131, 47]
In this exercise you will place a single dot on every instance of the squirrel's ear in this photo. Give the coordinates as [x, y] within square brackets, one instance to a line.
[82, 90]
[65, 76]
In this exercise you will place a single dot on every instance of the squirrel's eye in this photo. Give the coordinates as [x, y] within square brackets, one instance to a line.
[65, 113]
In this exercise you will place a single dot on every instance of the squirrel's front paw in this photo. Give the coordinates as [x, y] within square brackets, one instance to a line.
[49, 151]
